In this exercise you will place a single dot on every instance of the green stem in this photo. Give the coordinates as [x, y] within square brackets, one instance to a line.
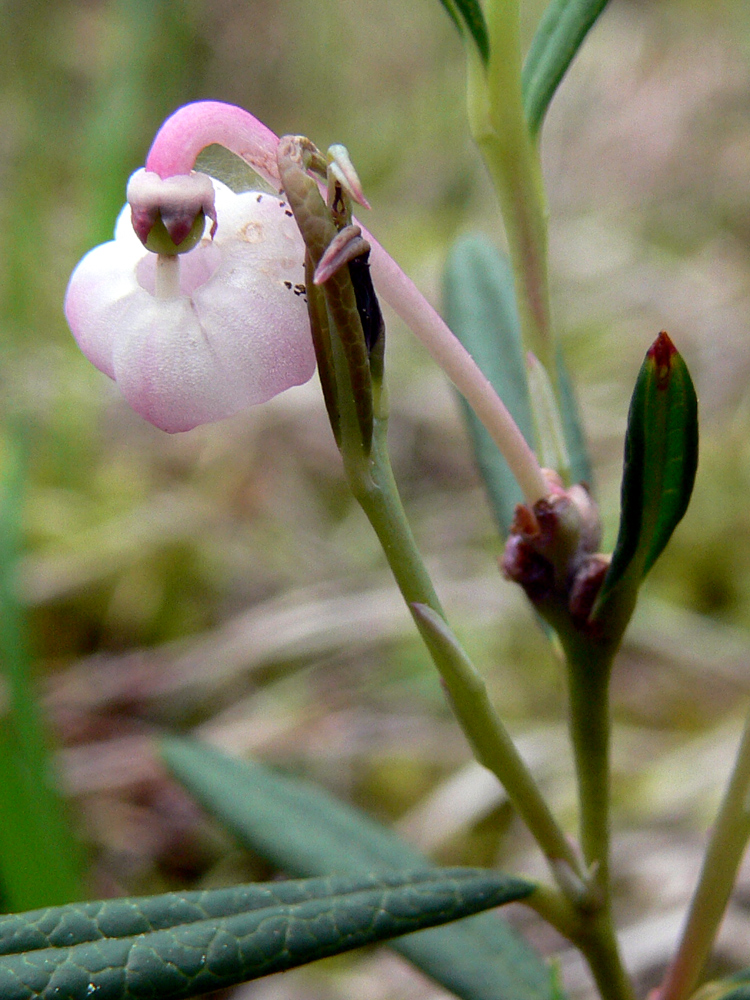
[723, 856]
[590, 736]
[589, 670]
[592, 933]
[372, 483]
[598, 944]
[499, 127]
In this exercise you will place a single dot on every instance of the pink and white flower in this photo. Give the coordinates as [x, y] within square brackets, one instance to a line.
[194, 338]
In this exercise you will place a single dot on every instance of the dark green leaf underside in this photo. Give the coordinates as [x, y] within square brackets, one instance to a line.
[185, 945]
[468, 15]
[561, 31]
[661, 458]
[304, 831]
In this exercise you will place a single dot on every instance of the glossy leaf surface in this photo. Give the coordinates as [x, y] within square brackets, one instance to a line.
[305, 831]
[467, 15]
[184, 945]
[661, 458]
[561, 31]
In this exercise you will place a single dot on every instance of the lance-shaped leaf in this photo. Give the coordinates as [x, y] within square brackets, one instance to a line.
[304, 831]
[480, 307]
[467, 15]
[561, 31]
[661, 458]
[184, 945]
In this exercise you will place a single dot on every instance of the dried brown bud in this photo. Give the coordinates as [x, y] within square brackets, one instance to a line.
[550, 550]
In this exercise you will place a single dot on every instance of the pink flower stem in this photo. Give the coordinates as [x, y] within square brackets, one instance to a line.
[195, 126]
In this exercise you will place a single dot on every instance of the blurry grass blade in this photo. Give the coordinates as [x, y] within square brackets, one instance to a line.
[661, 458]
[561, 31]
[189, 944]
[303, 830]
[480, 308]
[468, 15]
[40, 861]
[575, 440]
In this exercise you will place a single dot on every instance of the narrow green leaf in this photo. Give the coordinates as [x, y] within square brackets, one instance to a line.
[561, 31]
[479, 304]
[552, 449]
[480, 307]
[580, 462]
[468, 14]
[661, 458]
[184, 945]
[40, 861]
[303, 830]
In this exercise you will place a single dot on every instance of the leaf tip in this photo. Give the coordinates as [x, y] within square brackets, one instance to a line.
[661, 352]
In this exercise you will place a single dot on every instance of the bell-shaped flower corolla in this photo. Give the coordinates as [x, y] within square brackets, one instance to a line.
[196, 337]
[195, 341]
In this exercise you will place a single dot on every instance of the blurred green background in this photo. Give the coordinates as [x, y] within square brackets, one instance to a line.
[223, 580]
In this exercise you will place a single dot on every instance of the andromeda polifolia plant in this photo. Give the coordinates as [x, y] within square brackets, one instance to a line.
[208, 301]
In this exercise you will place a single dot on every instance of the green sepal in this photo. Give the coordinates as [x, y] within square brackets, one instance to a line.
[188, 944]
[661, 458]
[304, 831]
[468, 15]
[321, 337]
[561, 31]
[347, 379]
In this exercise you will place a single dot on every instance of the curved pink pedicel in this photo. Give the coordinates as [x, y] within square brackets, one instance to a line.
[195, 126]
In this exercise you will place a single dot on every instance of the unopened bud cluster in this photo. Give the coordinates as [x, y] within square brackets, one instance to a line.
[552, 552]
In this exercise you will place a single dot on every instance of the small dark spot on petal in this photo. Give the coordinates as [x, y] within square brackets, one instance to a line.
[288, 284]
[290, 214]
[259, 198]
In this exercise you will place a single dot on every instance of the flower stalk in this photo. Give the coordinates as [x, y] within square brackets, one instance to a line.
[195, 126]
[725, 850]
[350, 364]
